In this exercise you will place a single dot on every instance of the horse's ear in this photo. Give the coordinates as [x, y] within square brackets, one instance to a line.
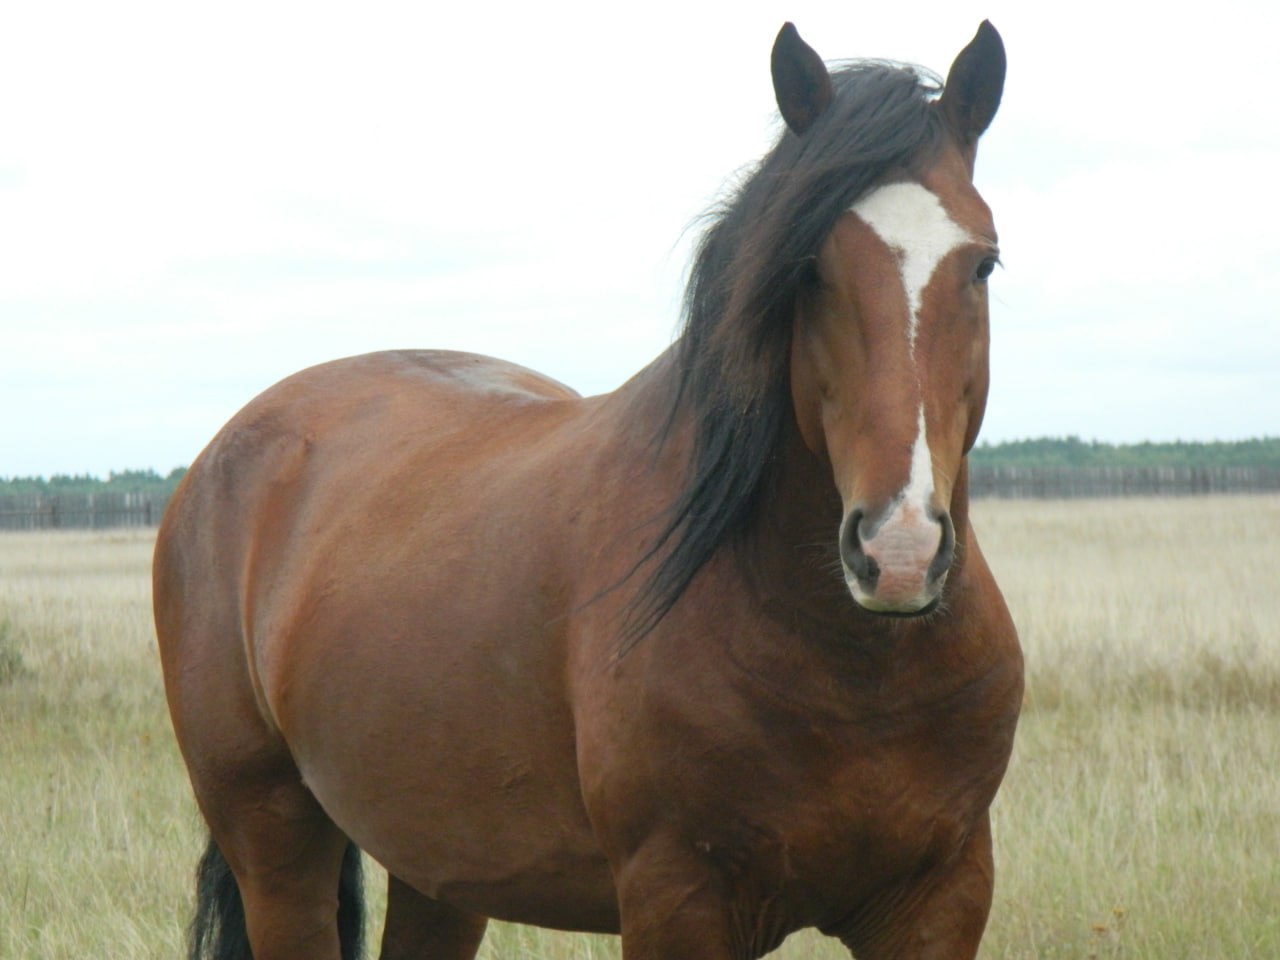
[800, 80]
[974, 85]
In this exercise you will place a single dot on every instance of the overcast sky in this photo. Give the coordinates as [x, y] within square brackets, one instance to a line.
[197, 200]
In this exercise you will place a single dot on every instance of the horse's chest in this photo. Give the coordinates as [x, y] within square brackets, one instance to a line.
[896, 809]
[888, 806]
[834, 815]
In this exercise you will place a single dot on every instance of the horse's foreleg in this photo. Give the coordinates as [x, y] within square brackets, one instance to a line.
[419, 928]
[939, 917]
[676, 905]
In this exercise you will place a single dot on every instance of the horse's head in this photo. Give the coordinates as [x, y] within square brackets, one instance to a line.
[889, 350]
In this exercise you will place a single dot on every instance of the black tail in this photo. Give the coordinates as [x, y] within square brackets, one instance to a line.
[351, 904]
[217, 930]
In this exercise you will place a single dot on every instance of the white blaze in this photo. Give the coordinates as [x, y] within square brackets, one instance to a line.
[920, 485]
[917, 228]
[914, 224]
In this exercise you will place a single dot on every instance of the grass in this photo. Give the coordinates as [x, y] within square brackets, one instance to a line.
[96, 818]
[1141, 813]
[1140, 817]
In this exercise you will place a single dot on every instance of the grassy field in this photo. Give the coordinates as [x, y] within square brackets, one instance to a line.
[1140, 817]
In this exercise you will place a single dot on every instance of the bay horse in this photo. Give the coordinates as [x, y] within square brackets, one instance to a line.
[703, 661]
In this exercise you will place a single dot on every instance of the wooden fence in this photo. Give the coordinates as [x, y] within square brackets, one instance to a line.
[82, 511]
[1056, 483]
[105, 510]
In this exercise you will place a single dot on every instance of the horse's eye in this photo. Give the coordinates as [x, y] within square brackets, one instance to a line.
[985, 268]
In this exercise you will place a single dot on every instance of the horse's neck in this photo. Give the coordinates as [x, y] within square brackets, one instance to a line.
[791, 553]
[788, 553]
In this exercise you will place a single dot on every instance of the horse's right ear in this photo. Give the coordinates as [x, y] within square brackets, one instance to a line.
[800, 80]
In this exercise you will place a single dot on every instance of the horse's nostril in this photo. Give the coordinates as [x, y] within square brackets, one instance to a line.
[946, 549]
[850, 541]
[855, 558]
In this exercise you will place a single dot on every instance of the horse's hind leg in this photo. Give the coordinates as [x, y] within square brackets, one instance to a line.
[284, 853]
[419, 928]
[287, 859]
[217, 930]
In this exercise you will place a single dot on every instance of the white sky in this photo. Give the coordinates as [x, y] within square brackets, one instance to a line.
[196, 200]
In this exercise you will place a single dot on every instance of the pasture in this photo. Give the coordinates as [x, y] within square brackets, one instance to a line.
[1140, 816]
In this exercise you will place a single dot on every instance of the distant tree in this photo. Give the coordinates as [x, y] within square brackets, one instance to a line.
[123, 481]
[1071, 451]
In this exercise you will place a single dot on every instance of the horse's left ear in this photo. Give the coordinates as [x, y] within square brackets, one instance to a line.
[800, 80]
[974, 85]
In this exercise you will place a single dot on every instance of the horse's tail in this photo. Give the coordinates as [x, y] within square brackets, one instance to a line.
[218, 932]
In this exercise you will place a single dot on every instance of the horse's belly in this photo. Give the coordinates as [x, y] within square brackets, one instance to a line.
[489, 827]
[448, 753]
[545, 886]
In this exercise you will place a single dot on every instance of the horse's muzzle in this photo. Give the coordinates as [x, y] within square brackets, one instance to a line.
[896, 560]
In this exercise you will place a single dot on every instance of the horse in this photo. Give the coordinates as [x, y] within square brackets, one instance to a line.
[701, 662]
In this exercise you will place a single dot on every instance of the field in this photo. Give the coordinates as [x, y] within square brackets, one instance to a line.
[1140, 817]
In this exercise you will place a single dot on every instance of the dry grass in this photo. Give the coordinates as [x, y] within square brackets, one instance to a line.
[96, 828]
[1141, 814]
[1146, 602]
[1140, 818]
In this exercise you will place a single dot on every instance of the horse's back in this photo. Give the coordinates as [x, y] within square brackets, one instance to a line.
[381, 403]
[350, 426]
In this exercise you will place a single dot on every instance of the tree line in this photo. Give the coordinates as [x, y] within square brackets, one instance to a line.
[1071, 451]
[124, 481]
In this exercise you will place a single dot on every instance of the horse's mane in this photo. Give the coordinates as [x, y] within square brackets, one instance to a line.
[752, 266]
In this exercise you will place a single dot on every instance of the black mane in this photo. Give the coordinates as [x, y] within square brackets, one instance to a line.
[752, 266]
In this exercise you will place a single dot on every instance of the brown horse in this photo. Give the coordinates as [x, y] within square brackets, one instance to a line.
[703, 661]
